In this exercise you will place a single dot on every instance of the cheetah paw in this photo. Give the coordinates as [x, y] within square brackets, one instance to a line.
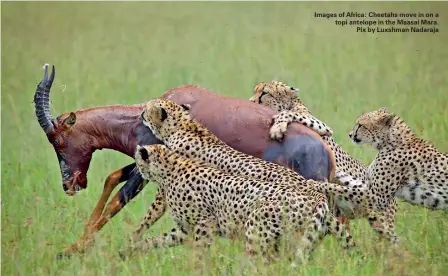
[63, 255]
[277, 130]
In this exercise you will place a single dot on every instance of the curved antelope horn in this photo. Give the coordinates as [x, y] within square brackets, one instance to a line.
[42, 101]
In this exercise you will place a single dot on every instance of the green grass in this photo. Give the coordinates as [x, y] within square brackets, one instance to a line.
[109, 53]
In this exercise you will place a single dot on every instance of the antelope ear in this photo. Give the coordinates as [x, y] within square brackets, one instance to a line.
[186, 107]
[70, 120]
[163, 114]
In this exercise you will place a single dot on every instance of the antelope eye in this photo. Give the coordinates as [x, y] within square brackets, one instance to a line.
[56, 142]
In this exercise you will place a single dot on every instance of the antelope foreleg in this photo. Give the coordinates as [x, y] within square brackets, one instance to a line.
[111, 182]
[113, 207]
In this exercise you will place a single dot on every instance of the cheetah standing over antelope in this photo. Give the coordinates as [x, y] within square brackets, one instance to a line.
[285, 100]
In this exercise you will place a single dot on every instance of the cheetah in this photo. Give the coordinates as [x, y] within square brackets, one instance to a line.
[406, 167]
[296, 111]
[205, 201]
[172, 124]
[285, 100]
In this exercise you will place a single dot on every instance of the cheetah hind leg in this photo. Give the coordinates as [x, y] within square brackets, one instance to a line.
[314, 232]
[322, 223]
[204, 233]
[259, 244]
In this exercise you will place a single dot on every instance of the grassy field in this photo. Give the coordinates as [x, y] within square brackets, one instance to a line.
[109, 53]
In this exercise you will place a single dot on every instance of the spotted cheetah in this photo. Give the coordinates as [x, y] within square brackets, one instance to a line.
[290, 107]
[173, 125]
[285, 100]
[406, 167]
[205, 201]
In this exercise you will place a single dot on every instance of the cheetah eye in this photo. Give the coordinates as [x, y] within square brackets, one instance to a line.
[261, 96]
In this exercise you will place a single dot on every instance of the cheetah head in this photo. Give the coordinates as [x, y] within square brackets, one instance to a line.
[162, 116]
[372, 127]
[275, 95]
[150, 160]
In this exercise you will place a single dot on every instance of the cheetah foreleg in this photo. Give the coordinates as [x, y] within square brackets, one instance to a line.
[154, 213]
[347, 199]
[176, 237]
[282, 120]
[345, 179]
[383, 222]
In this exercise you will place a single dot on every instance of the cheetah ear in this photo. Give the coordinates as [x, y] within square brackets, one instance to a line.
[186, 107]
[258, 87]
[387, 119]
[295, 89]
[163, 114]
[294, 95]
[143, 153]
[383, 109]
